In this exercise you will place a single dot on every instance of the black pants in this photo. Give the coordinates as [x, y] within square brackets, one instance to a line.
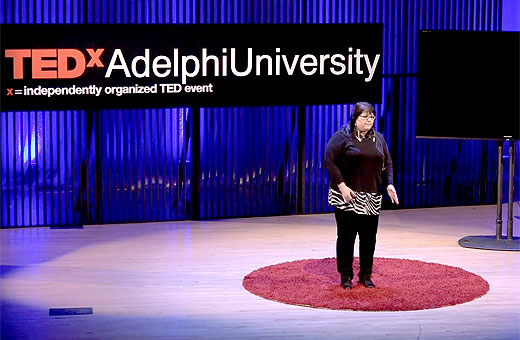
[349, 225]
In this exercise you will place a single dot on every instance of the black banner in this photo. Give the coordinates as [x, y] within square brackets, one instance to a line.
[130, 66]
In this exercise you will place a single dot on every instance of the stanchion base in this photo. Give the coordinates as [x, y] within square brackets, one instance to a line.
[490, 243]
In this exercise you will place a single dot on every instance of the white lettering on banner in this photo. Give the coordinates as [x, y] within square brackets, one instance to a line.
[191, 66]
[198, 88]
[171, 88]
[136, 89]
[94, 90]
[118, 55]
[146, 61]
[156, 66]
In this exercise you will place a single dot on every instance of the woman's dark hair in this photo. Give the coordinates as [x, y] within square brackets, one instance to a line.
[359, 108]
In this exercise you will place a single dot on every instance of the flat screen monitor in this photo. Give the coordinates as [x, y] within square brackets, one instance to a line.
[468, 85]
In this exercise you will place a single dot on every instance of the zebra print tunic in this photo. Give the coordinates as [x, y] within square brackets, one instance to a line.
[365, 203]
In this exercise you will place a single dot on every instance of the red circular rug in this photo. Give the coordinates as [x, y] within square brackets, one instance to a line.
[400, 285]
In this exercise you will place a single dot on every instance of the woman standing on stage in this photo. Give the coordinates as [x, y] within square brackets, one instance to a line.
[358, 162]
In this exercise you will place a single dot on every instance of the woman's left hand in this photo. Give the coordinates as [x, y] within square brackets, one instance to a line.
[392, 193]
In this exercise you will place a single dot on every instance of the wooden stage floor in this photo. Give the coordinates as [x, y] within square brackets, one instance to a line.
[183, 280]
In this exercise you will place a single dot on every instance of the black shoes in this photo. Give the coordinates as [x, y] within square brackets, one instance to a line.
[367, 282]
[346, 282]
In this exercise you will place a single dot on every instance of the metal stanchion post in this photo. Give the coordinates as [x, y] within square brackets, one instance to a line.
[497, 242]
[511, 189]
[500, 180]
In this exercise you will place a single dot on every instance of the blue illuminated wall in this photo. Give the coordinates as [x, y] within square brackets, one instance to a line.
[145, 166]
[75, 167]
[42, 156]
[248, 161]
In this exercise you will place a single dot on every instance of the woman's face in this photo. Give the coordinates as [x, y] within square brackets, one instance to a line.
[365, 121]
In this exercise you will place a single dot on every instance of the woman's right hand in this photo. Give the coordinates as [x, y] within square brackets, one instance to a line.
[347, 193]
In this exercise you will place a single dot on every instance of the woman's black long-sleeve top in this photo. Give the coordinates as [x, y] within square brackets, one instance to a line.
[362, 165]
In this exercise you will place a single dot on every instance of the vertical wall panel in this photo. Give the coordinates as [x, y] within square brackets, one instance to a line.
[39, 168]
[248, 161]
[50, 176]
[144, 156]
